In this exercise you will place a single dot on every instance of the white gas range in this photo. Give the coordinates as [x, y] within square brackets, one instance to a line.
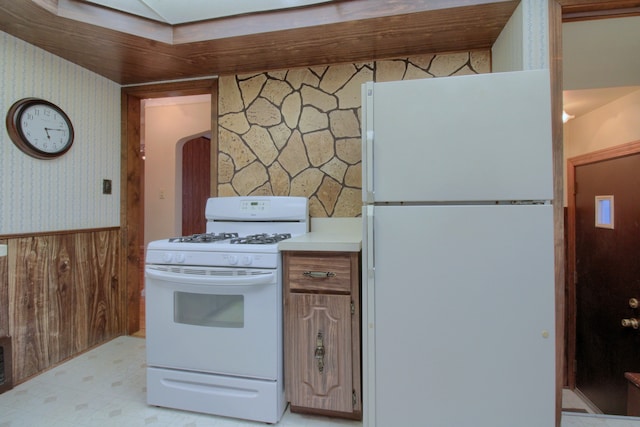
[214, 310]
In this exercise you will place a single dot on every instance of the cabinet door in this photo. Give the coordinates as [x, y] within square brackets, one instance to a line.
[319, 364]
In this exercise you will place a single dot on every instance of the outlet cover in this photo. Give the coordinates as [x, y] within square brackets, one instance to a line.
[106, 186]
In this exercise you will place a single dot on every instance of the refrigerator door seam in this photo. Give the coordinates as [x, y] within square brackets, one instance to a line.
[466, 203]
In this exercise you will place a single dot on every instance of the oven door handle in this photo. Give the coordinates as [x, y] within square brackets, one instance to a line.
[265, 278]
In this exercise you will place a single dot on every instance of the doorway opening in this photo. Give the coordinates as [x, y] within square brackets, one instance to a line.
[600, 102]
[195, 173]
[134, 152]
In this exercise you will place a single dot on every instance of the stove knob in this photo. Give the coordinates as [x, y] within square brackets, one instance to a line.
[247, 260]
[167, 257]
[233, 259]
[180, 258]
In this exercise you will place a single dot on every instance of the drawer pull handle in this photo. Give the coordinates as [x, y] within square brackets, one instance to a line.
[319, 274]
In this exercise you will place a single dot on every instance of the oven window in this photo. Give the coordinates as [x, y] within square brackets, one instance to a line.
[218, 311]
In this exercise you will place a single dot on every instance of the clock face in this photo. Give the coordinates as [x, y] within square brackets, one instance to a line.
[39, 128]
[45, 128]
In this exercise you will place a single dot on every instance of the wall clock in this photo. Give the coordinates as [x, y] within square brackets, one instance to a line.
[39, 128]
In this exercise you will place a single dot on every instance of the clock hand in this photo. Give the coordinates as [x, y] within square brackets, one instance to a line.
[48, 129]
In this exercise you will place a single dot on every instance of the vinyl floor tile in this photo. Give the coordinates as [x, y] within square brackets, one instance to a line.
[107, 387]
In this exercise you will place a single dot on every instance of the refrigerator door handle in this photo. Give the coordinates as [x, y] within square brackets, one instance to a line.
[367, 142]
[369, 170]
[368, 319]
[368, 241]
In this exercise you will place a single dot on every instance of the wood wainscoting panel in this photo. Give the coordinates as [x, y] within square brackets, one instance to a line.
[106, 304]
[28, 259]
[64, 297]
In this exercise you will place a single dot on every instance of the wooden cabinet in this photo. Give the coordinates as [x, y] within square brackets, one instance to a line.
[322, 332]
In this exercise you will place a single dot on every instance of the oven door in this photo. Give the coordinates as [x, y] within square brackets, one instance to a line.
[216, 320]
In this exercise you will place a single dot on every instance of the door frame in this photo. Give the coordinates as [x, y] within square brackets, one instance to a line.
[132, 174]
[572, 163]
[565, 11]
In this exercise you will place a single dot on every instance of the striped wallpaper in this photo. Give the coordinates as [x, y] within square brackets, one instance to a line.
[64, 193]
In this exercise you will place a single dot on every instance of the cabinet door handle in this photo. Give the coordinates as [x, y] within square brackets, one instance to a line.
[319, 353]
[319, 274]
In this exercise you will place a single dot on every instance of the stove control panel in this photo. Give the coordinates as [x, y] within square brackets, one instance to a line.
[257, 205]
[213, 259]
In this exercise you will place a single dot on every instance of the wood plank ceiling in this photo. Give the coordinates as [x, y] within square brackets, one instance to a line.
[131, 50]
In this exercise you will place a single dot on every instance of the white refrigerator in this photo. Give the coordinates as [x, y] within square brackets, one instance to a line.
[458, 252]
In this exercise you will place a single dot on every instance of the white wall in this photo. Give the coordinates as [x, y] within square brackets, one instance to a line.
[65, 193]
[168, 124]
[506, 52]
[523, 43]
[613, 124]
[601, 53]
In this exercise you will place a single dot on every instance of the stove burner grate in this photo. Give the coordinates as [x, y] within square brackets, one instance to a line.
[260, 239]
[204, 238]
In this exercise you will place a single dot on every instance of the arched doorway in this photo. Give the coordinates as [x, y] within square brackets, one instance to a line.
[196, 183]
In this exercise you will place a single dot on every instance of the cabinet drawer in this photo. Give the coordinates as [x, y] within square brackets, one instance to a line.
[318, 272]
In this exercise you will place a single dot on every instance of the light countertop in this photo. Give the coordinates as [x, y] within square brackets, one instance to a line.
[328, 234]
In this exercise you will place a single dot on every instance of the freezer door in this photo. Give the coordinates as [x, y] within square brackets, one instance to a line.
[459, 316]
[479, 138]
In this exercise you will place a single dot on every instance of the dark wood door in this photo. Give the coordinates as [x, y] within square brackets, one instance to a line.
[608, 275]
[196, 184]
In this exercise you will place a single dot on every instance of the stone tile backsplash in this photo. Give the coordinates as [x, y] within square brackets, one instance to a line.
[297, 132]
